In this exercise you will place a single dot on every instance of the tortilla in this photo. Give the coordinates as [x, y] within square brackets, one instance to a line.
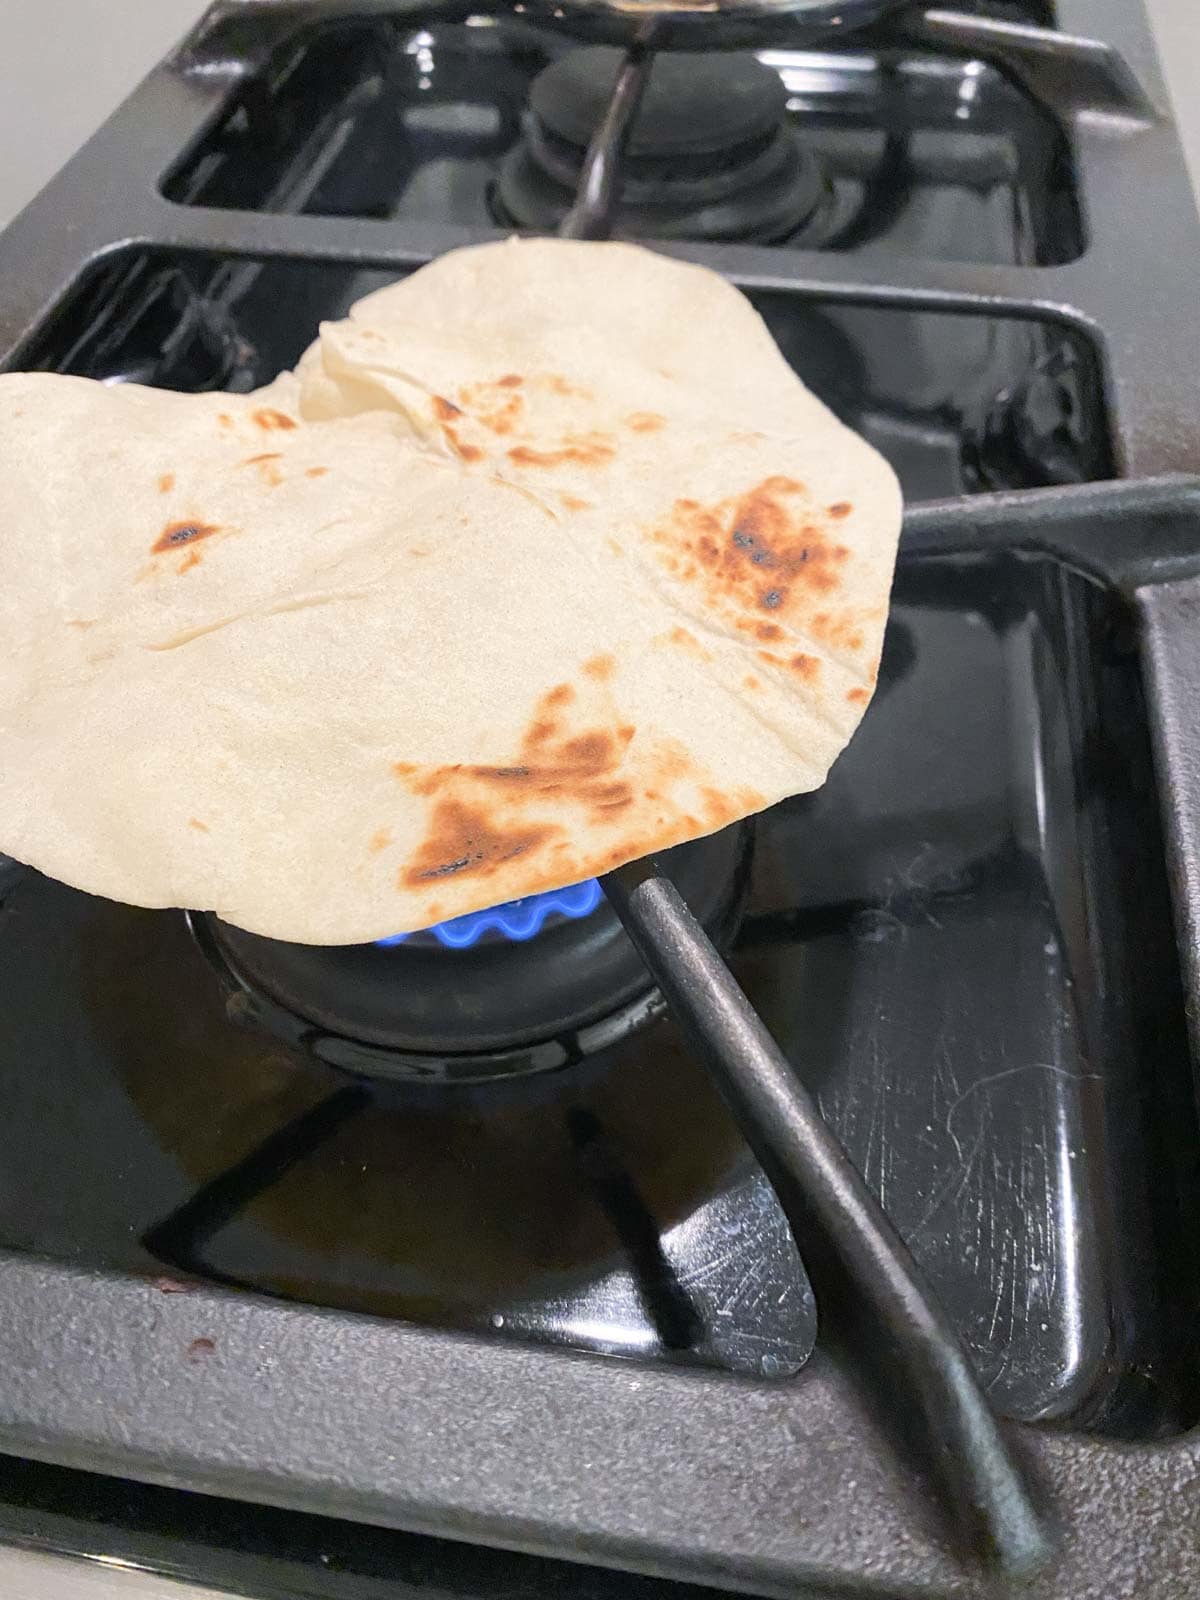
[542, 560]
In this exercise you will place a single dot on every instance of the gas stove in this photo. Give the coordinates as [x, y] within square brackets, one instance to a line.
[452, 1235]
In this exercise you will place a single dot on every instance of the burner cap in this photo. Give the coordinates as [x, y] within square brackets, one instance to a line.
[693, 104]
[497, 1006]
[711, 155]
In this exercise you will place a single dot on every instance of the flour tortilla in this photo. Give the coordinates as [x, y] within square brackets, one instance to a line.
[542, 560]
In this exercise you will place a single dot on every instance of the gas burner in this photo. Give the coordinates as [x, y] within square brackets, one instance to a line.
[516, 920]
[500, 1003]
[711, 155]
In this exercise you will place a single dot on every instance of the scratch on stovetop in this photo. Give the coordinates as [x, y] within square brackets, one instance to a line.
[739, 1289]
[1010, 1072]
[957, 1180]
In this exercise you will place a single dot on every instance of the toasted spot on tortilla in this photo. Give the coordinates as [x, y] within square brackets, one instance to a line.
[756, 552]
[271, 420]
[181, 533]
[464, 451]
[492, 406]
[842, 632]
[806, 667]
[464, 841]
[685, 639]
[581, 449]
[266, 461]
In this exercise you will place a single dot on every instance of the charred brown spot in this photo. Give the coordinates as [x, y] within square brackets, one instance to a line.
[510, 380]
[464, 841]
[445, 410]
[686, 640]
[560, 386]
[806, 667]
[645, 422]
[379, 841]
[315, 472]
[200, 827]
[266, 461]
[600, 667]
[225, 420]
[580, 449]
[464, 452]
[839, 509]
[579, 767]
[593, 751]
[751, 682]
[192, 559]
[768, 631]
[492, 405]
[842, 632]
[858, 697]
[200, 1348]
[270, 420]
[572, 502]
[718, 808]
[166, 483]
[672, 762]
[181, 533]
[609, 797]
[751, 554]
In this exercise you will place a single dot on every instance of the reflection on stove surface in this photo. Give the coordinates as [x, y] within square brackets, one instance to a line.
[960, 942]
[485, 123]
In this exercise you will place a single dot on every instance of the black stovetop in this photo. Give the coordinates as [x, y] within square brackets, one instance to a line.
[963, 941]
[921, 155]
[970, 847]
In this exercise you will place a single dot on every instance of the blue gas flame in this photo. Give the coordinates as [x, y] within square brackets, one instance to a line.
[516, 919]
